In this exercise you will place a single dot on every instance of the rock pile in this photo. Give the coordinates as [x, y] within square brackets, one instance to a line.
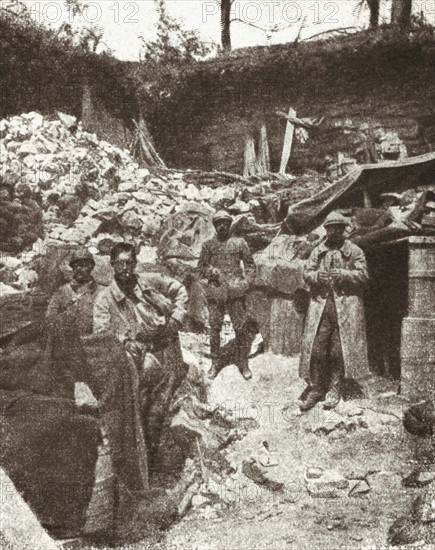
[88, 192]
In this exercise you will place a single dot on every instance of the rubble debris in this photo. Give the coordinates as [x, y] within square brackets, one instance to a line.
[253, 471]
[418, 479]
[314, 473]
[86, 191]
[266, 456]
[328, 485]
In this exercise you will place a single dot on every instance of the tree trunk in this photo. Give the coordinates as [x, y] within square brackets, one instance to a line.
[225, 24]
[401, 13]
[374, 13]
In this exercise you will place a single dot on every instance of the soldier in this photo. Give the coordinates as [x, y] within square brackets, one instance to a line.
[80, 292]
[145, 313]
[334, 343]
[367, 153]
[227, 284]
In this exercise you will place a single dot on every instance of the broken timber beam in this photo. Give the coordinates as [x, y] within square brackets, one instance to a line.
[288, 141]
[250, 165]
[263, 162]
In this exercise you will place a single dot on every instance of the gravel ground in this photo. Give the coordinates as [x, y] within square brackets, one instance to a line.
[375, 447]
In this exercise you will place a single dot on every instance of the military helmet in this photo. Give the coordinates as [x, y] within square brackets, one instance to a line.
[335, 218]
[222, 215]
[82, 254]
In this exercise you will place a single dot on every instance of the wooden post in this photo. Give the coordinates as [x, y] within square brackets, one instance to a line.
[250, 168]
[288, 141]
[263, 164]
[367, 199]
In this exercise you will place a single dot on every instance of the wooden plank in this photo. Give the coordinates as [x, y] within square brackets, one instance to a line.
[367, 199]
[250, 166]
[263, 164]
[288, 142]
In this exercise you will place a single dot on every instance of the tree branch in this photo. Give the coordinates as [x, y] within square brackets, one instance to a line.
[329, 32]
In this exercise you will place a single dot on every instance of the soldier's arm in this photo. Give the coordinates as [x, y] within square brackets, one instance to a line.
[204, 261]
[54, 306]
[358, 275]
[312, 268]
[101, 315]
[248, 260]
[173, 290]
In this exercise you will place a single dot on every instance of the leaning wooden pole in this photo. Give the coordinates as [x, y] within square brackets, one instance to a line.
[250, 167]
[263, 163]
[288, 142]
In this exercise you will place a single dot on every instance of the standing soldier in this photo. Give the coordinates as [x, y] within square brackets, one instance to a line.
[334, 344]
[79, 293]
[145, 313]
[220, 263]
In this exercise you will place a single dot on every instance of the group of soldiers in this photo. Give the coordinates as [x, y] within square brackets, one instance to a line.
[145, 313]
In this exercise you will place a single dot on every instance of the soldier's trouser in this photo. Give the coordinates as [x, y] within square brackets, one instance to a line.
[236, 309]
[161, 375]
[327, 365]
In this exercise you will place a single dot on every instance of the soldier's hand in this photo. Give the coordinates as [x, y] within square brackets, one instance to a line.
[323, 277]
[335, 274]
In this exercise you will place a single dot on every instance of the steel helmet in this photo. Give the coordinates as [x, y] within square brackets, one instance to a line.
[335, 218]
[222, 215]
[82, 254]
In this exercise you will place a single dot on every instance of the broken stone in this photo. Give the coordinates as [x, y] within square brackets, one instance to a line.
[316, 492]
[423, 508]
[198, 501]
[27, 278]
[426, 477]
[314, 473]
[131, 219]
[251, 470]
[327, 485]
[29, 148]
[357, 411]
[418, 479]
[67, 120]
[3, 128]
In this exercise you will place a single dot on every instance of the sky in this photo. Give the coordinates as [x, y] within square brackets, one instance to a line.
[265, 21]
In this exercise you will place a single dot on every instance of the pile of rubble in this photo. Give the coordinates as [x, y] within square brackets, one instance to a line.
[88, 192]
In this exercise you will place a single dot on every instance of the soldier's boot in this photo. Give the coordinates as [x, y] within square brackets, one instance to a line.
[246, 372]
[312, 397]
[333, 396]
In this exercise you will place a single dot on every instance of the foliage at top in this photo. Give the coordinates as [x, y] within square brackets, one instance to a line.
[174, 44]
[42, 70]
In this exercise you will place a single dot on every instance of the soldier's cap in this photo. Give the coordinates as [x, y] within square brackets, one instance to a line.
[335, 218]
[222, 215]
[80, 255]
